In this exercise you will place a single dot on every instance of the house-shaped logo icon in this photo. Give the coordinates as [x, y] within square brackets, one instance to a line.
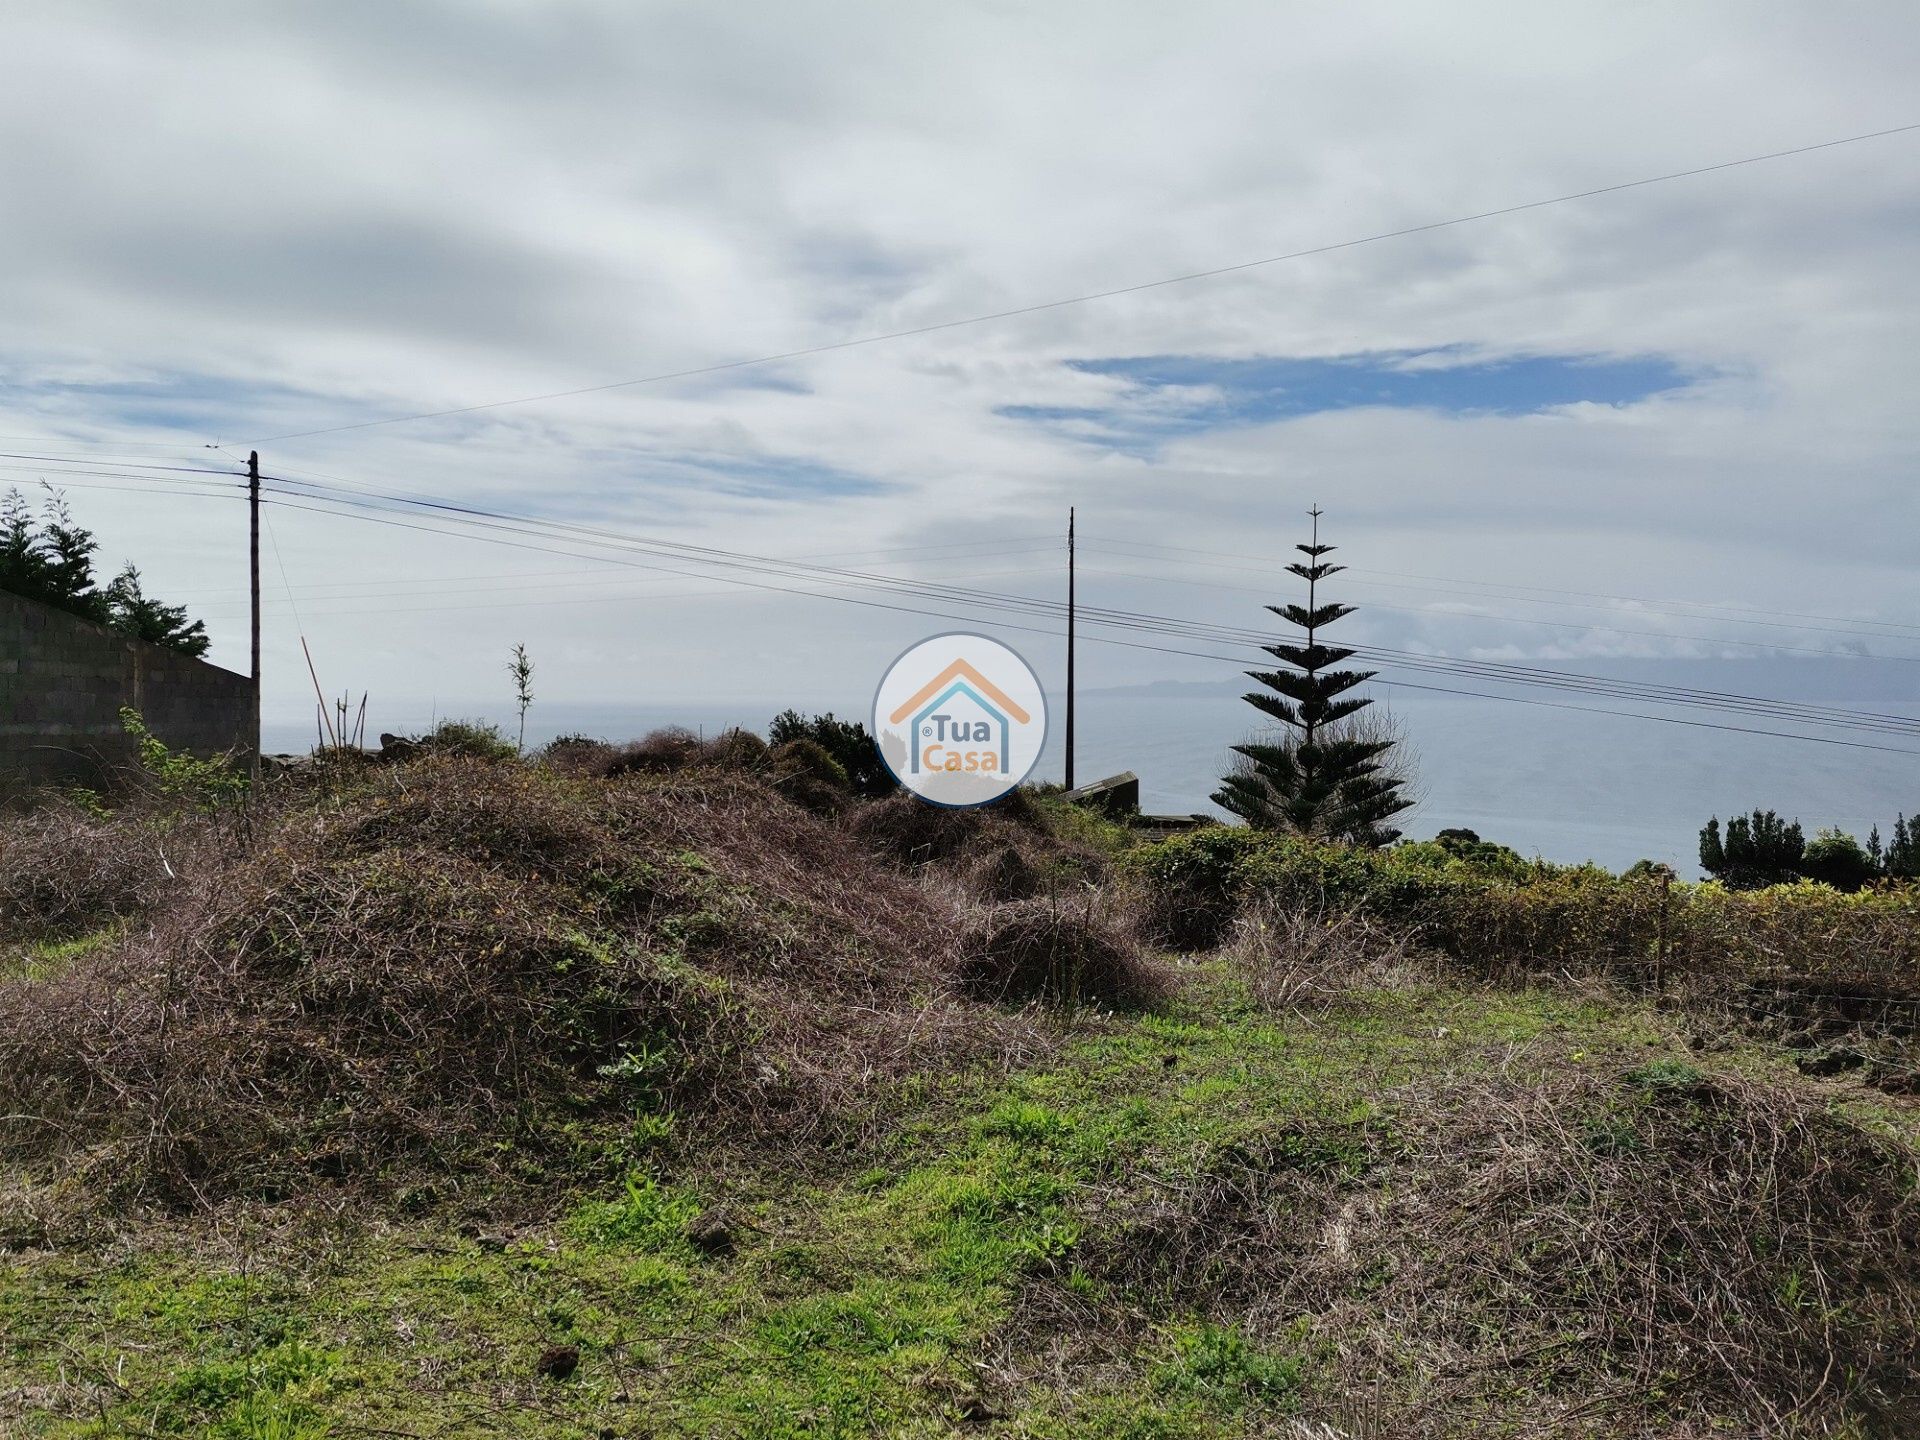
[959, 719]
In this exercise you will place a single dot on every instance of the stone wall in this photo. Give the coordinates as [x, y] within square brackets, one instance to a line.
[64, 679]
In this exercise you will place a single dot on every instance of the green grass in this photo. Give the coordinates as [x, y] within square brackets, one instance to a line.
[886, 1295]
[38, 959]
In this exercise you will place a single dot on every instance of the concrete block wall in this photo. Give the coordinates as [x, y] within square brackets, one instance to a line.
[64, 679]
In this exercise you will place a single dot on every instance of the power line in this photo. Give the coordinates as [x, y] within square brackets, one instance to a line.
[1495, 588]
[1165, 649]
[1091, 296]
[126, 462]
[1503, 619]
[150, 489]
[1500, 672]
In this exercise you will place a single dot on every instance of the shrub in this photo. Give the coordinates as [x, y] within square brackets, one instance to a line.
[478, 739]
[1835, 858]
[65, 869]
[1012, 849]
[1295, 959]
[806, 774]
[457, 964]
[847, 741]
[575, 754]
[1744, 1251]
[179, 777]
[1545, 919]
[1043, 951]
[738, 749]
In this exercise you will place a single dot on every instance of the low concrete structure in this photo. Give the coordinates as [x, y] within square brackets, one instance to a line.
[1118, 798]
[1117, 795]
[64, 679]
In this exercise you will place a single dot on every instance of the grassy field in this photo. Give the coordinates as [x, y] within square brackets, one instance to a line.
[989, 1262]
[474, 1100]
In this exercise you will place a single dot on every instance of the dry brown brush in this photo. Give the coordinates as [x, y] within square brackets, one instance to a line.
[1061, 952]
[439, 957]
[998, 852]
[1306, 959]
[1652, 1254]
[64, 869]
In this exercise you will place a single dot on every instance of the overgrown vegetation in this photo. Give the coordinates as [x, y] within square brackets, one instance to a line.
[846, 743]
[1501, 916]
[1761, 849]
[675, 1088]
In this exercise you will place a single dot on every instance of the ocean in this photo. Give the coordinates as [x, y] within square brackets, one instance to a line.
[1562, 784]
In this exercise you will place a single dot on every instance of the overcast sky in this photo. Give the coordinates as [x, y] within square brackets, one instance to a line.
[232, 222]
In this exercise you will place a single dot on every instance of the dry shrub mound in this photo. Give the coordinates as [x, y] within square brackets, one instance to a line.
[1656, 1255]
[1002, 851]
[665, 751]
[328, 1017]
[452, 952]
[807, 775]
[1043, 951]
[499, 816]
[64, 870]
[1307, 959]
[1005, 873]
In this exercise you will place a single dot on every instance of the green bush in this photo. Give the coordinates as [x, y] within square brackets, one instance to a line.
[1835, 858]
[847, 741]
[808, 775]
[478, 738]
[1500, 919]
[180, 776]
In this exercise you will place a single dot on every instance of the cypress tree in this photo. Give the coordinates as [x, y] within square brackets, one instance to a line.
[1759, 850]
[53, 563]
[1319, 779]
[132, 611]
[1903, 855]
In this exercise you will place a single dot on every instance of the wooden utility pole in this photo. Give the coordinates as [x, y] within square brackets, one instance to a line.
[253, 585]
[1070, 622]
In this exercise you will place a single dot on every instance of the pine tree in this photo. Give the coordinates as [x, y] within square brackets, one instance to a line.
[132, 612]
[23, 559]
[1319, 779]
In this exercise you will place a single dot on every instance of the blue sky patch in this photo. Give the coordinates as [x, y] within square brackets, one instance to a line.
[1166, 396]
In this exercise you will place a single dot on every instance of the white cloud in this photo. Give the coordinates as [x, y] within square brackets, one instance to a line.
[314, 215]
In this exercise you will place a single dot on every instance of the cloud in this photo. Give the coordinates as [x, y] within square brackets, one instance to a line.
[252, 221]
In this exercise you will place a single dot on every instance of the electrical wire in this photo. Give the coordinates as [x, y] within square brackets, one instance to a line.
[712, 558]
[1355, 573]
[1109, 294]
[1496, 671]
[734, 559]
[1496, 617]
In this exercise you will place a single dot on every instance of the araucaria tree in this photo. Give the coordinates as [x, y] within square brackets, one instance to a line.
[1318, 777]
